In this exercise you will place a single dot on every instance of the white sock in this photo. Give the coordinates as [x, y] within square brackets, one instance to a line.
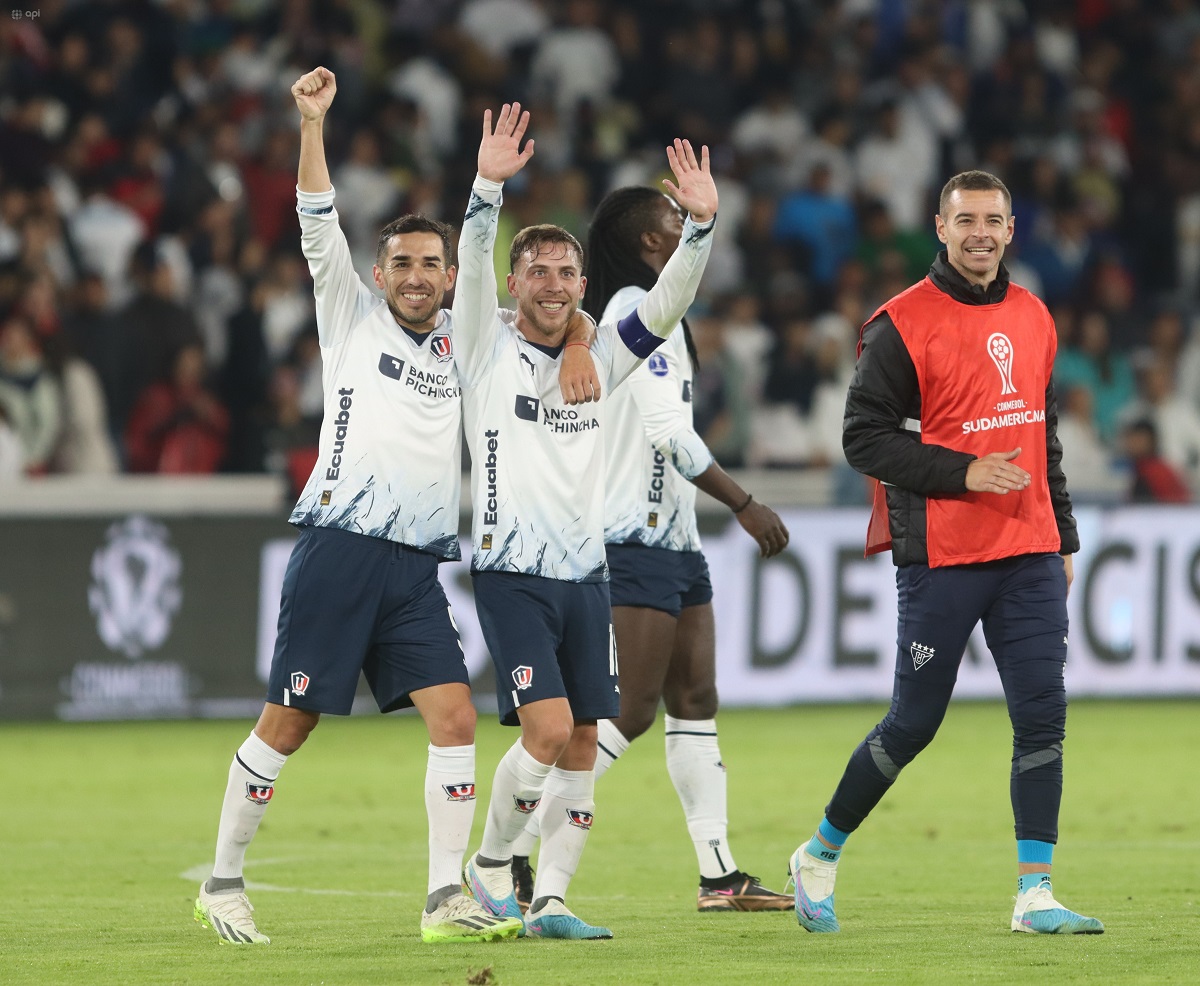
[249, 790]
[694, 763]
[450, 806]
[569, 802]
[516, 791]
[610, 744]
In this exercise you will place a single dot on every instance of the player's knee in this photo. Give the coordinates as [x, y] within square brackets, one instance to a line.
[903, 741]
[637, 716]
[546, 739]
[455, 727]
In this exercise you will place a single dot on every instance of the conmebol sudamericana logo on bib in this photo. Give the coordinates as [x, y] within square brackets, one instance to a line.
[1000, 349]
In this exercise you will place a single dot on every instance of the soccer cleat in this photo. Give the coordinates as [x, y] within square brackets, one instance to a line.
[1038, 913]
[555, 921]
[745, 894]
[492, 886]
[462, 918]
[522, 876]
[228, 914]
[813, 879]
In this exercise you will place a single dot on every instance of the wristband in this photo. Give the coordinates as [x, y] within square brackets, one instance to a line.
[576, 343]
[749, 497]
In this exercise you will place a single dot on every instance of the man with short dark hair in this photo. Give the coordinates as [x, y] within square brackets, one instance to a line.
[975, 509]
[538, 477]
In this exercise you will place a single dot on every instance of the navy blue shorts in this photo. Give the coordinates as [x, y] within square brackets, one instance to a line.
[549, 639]
[658, 578]
[354, 603]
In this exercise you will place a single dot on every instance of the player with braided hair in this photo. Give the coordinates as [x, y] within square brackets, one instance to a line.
[661, 593]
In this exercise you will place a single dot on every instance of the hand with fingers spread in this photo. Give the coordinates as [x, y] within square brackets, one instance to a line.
[314, 92]
[996, 473]
[693, 188]
[500, 154]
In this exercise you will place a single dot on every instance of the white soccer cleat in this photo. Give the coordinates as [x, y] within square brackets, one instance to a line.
[813, 880]
[228, 914]
[462, 918]
[1038, 913]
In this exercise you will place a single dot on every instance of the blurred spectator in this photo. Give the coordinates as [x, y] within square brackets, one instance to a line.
[12, 456]
[178, 426]
[104, 234]
[290, 436]
[575, 62]
[1153, 478]
[1091, 473]
[720, 403]
[31, 396]
[915, 249]
[85, 445]
[822, 223]
[1063, 257]
[896, 165]
[1091, 362]
[1175, 421]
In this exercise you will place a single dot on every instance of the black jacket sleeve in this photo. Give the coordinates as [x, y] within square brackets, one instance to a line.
[883, 393]
[1063, 515]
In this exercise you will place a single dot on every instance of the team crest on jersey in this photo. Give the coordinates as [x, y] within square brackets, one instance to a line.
[527, 408]
[687, 392]
[440, 346]
[300, 682]
[522, 677]
[260, 794]
[459, 792]
[526, 806]
[580, 819]
[1000, 349]
[657, 364]
[920, 655]
[391, 366]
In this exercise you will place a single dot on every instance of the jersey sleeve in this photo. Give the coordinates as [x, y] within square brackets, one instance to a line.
[657, 390]
[342, 299]
[643, 330]
[475, 309]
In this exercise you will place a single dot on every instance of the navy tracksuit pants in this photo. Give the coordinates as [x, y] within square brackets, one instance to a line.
[1022, 602]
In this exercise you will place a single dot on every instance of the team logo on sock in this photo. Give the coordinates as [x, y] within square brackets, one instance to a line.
[920, 655]
[522, 677]
[526, 806]
[580, 819]
[459, 792]
[299, 682]
[260, 794]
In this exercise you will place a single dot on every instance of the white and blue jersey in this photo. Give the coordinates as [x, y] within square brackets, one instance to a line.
[537, 464]
[653, 450]
[390, 452]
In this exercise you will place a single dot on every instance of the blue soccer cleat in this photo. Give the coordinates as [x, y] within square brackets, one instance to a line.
[814, 880]
[1038, 913]
[555, 921]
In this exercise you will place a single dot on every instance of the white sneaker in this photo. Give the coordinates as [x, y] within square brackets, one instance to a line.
[462, 918]
[228, 914]
[813, 880]
[1038, 913]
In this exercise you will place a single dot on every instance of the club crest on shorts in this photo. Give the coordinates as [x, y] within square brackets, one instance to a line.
[459, 792]
[260, 794]
[920, 655]
[580, 819]
[440, 346]
[300, 682]
[526, 806]
[522, 677]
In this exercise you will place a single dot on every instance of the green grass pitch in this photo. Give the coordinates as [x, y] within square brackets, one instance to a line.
[106, 828]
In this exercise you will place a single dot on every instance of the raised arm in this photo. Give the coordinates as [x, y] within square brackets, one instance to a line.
[313, 92]
[500, 157]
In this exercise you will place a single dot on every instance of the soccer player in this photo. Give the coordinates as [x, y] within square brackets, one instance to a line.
[661, 594]
[538, 475]
[978, 518]
[378, 514]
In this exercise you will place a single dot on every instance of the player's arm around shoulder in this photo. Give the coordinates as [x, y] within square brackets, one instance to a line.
[475, 309]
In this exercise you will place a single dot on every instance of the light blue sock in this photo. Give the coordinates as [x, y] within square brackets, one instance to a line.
[1037, 852]
[829, 833]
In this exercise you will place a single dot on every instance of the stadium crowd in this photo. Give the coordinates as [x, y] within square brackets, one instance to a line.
[156, 314]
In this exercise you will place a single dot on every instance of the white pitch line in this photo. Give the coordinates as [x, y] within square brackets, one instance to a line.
[202, 871]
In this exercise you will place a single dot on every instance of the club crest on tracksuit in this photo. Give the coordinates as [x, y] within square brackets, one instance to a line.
[920, 655]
